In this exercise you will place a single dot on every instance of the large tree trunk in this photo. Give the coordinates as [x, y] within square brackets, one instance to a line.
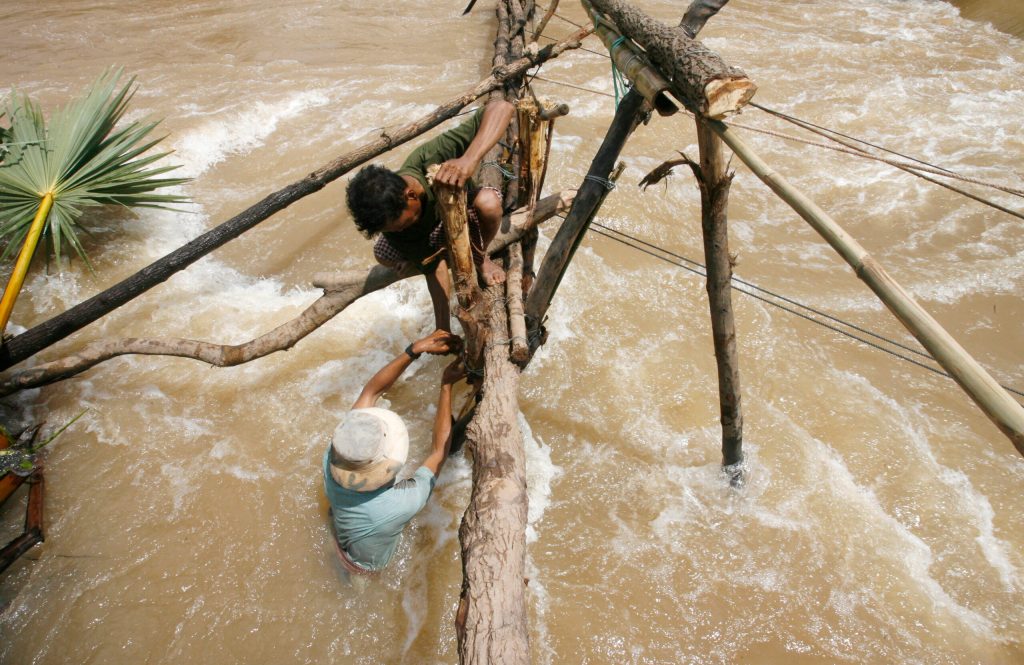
[491, 621]
[698, 76]
[43, 335]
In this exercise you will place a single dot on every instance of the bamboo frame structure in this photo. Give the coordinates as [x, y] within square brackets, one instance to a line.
[1004, 411]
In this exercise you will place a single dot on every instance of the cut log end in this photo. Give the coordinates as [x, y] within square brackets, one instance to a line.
[727, 96]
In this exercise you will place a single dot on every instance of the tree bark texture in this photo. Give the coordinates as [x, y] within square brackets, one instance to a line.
[491, 620]
[714, 202]
[341, 290]
[47, 333]
[699, 78]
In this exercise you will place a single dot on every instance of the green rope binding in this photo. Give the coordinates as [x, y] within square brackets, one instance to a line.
[619, 82]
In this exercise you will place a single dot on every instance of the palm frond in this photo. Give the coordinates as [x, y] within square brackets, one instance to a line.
[83, 158]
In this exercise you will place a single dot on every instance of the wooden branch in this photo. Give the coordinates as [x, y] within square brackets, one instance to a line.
[341, 290]
[491, 619]
[714, 198]
[698, 14]
[47, 333]
[699, 78]
[553, 5]
[1001, 408]
[520, 343]
[33, 533]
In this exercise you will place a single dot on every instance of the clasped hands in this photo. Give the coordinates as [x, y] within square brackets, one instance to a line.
[439, 343]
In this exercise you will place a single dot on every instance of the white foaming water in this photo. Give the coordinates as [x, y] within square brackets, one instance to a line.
[239, 131]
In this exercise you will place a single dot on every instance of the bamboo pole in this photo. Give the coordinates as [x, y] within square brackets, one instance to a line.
[28, 250]
[714, 197]
[998, 405]
[634, 66]
[49, 332]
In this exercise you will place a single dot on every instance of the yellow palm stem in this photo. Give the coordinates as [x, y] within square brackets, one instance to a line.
[24, 259]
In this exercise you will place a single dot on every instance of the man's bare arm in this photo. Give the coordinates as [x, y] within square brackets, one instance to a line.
[442, 439]
[438, 342]
[496, 118]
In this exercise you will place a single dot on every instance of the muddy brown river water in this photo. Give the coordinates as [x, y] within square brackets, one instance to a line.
[882, 520]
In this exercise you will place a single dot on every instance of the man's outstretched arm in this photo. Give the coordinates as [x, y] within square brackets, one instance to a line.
[437, 343]
[496, 118]
[442, 440]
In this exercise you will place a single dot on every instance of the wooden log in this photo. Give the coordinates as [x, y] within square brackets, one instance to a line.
[47, 333]
[451, 204]
[519, 342]
[591, 195]
[994, 401]
[714, 198]
[491, 619]
[341, 290]
[698, 76]
[9, 482]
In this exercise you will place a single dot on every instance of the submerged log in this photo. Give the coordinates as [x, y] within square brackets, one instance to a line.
[698, 76]
[49, 332]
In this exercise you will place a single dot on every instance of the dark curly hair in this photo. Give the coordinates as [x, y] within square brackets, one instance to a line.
[376, 196]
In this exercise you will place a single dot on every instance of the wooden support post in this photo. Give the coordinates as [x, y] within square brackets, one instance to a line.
[998, 405]
[714, 199]
[591, 195]
[49, 332]
[651, 84]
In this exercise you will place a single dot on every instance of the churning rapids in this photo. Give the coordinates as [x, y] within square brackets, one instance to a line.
[882, 520]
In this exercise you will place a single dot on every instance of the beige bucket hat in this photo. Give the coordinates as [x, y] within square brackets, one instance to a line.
[368, 448]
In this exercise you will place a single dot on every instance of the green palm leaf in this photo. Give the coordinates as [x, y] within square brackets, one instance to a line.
[81, 159]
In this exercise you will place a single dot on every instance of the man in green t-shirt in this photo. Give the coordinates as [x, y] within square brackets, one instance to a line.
[401, 208]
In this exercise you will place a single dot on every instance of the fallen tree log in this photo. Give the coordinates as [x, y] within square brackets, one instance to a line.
[49, 332]
[341, 290]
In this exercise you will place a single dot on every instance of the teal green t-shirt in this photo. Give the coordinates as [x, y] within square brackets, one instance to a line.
[369, 524]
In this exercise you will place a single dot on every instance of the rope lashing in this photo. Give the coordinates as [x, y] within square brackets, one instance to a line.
[619, 81]
[604, 182]
[506, 173]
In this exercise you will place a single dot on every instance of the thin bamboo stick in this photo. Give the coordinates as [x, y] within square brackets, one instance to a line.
[998, 405]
